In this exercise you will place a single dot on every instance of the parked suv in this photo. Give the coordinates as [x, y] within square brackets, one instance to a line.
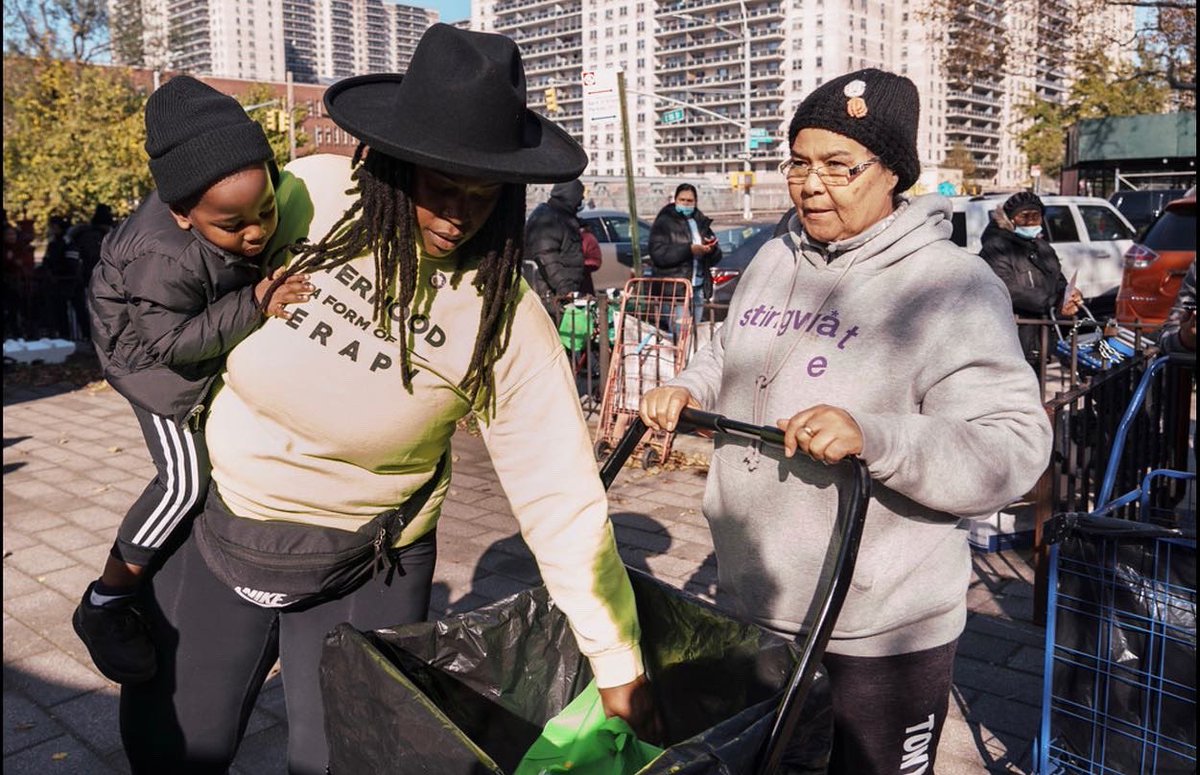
[1088, 234]
[1140, 208]
[1155, 266]
[611, 229]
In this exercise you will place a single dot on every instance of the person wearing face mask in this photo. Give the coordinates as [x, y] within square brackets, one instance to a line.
[553, 264]
[682, 245]
[1015, 247]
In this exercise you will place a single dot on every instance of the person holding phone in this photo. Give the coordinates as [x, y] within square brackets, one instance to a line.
[1014, 245]
[682, 245]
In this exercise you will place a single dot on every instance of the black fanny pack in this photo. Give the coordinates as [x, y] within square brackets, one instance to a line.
[278, 564]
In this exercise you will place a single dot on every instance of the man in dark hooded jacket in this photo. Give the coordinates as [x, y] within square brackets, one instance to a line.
[553, 247]
[1015, 247]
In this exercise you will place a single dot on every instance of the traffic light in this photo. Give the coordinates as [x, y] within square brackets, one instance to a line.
[741, 179]
[271, 120]
[283, 120]
[551, 100]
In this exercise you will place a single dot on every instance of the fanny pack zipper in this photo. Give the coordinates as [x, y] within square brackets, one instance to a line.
[295, 562]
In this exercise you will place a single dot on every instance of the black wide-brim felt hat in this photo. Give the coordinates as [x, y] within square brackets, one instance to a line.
[459, 109]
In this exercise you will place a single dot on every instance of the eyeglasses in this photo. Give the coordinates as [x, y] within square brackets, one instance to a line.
[834, 173]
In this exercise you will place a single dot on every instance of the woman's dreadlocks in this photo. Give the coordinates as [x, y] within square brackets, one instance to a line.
[383, 221]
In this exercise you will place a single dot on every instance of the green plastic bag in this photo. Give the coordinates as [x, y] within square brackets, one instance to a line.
[582, 741]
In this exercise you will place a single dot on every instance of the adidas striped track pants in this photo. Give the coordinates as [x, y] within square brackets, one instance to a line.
[176, 492]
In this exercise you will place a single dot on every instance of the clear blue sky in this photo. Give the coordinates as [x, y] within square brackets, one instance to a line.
[451, 10]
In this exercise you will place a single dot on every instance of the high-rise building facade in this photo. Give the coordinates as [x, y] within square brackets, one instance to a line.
[315, 40]
[692, 52]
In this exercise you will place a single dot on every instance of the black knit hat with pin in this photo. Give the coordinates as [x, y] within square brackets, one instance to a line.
[875, 108]
[195, 135]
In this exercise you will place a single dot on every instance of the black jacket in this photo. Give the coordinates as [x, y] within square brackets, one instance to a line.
[554, 246]
[1030, 269]
[166, 306]
[671, 246]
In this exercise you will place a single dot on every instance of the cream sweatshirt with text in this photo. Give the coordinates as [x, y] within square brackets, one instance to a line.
[314, 424]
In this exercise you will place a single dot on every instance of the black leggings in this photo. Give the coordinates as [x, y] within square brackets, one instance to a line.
[889, 711]
[215, 650]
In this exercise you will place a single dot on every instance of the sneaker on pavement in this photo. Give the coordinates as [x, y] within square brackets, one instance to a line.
[117, 637]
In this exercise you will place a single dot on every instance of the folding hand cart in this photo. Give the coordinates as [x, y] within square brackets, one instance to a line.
[1119, 692]
[653, 334]
[469, 694]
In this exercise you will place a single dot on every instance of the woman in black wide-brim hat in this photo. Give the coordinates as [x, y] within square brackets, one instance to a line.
[330, 420]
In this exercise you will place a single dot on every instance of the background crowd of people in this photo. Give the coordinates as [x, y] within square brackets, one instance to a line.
[46, 298]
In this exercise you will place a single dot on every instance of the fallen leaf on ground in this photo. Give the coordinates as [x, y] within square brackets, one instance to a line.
[58, 757]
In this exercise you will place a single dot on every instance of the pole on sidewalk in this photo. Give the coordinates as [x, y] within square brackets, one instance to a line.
[291, 119]
[631, 195]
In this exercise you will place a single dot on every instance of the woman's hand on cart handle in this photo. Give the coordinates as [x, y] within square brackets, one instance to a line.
[825, 433]
[634, 703]
[661, 406]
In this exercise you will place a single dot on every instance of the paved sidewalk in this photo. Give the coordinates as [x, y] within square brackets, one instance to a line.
[74, 461]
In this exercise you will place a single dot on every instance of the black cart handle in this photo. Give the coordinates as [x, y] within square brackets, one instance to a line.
[689, 417]
[832, 585]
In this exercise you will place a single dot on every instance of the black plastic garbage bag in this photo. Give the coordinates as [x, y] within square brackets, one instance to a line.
[1123, 687]
[470, 694]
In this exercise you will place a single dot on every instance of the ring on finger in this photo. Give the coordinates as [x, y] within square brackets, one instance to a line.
[807, 431]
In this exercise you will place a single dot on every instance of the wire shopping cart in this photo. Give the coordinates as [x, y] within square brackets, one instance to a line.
[469, 694]
[1119, 691]
[653, 333]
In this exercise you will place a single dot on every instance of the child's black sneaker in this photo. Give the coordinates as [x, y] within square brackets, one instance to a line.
[117, 637]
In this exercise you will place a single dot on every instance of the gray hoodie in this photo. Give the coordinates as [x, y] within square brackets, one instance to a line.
[914, 337]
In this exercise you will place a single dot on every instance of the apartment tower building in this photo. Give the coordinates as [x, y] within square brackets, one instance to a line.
[692, 52]
[317, 41]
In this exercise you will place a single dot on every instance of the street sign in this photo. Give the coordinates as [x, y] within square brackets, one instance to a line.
[672, 116]
[1035, 171]
[601, 101]
[946, 188]
[757, 140]
[758, 132]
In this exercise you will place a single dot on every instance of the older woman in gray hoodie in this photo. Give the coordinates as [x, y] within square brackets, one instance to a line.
[865, 331]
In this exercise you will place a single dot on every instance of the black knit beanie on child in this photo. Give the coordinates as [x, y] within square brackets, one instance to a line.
[195, 135]
[875, 108]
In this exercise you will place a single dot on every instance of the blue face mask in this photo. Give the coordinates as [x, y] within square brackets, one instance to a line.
[686, 212]
[1029, 232]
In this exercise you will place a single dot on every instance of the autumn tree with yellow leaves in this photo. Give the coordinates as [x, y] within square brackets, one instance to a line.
[73, 137]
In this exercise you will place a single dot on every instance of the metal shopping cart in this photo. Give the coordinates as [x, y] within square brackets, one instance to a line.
[1119, 692]
[469, 694]
[653, 333]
